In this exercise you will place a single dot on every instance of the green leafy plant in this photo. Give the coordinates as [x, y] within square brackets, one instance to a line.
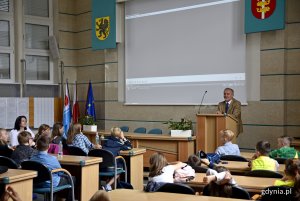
[183, 124]
[87, 120]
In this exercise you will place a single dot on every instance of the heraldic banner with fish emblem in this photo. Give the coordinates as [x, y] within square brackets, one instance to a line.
[103, 24]
[264, 15]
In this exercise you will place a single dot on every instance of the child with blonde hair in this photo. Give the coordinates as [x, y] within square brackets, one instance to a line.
[117, 141]
[227, 148]
[284, 150]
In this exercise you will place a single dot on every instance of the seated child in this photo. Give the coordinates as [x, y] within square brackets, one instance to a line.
[297, 182]
[290, 173]
[219, 181]
[57, 132]
[161, 172]
[77, 139]
[23, 151]
[43, 129]
[196, 163]
[117, 142]
[227, 148]
[284, 150]
[263, 161]
[50, 162]
[5, 150]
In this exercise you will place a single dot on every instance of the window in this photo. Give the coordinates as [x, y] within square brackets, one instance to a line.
[38, 27]
[31, 40]
[37, 67]
[4, 5]
[36, 8]
[6, 41]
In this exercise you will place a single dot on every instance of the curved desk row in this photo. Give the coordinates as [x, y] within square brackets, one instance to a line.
[174, 148]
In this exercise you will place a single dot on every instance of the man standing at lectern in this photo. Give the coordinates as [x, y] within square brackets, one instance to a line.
[232, 107]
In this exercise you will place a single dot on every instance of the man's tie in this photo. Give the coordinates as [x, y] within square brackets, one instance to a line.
[226, 107]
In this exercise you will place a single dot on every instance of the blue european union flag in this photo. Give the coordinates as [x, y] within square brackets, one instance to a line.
[90, 105]
[103, 24]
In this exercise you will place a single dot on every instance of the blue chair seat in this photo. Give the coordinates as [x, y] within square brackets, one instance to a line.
[47, 190]
[109, 164]
[46, 175]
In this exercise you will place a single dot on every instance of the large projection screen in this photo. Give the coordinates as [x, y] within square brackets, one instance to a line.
[176, 50]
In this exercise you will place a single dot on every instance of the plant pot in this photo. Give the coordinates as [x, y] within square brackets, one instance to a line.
[92, 128]
[181, 133]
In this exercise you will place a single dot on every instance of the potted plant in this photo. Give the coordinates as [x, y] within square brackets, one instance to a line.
[182, 128]
[88, 123]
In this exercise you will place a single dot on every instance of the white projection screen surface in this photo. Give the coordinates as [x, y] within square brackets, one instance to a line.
[175, 50]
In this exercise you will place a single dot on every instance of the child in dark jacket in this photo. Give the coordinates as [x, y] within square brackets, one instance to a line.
[23, 150]
[5, 150]
[117, 142]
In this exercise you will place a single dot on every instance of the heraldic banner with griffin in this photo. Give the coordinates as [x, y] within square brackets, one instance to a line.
[103, 24]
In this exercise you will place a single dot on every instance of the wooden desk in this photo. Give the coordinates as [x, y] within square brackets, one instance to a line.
[247, 155]
[251, 184]
[296, 143]
[241, 167]
[134, 162]
[136, 195]
[174, 148]
[86, 171]
[20, 180]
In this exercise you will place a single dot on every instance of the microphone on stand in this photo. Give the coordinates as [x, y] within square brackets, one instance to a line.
[201, 102]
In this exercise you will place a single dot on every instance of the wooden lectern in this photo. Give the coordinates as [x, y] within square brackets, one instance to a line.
[208, 128]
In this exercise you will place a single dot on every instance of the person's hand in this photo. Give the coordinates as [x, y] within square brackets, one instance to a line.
[31, 142]
[97, 146]
[208, 179]
[250, 164]
[255, 156]
[122, 135]
[10, 193]
[226, 179]
[284, 178]
[205, 161]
